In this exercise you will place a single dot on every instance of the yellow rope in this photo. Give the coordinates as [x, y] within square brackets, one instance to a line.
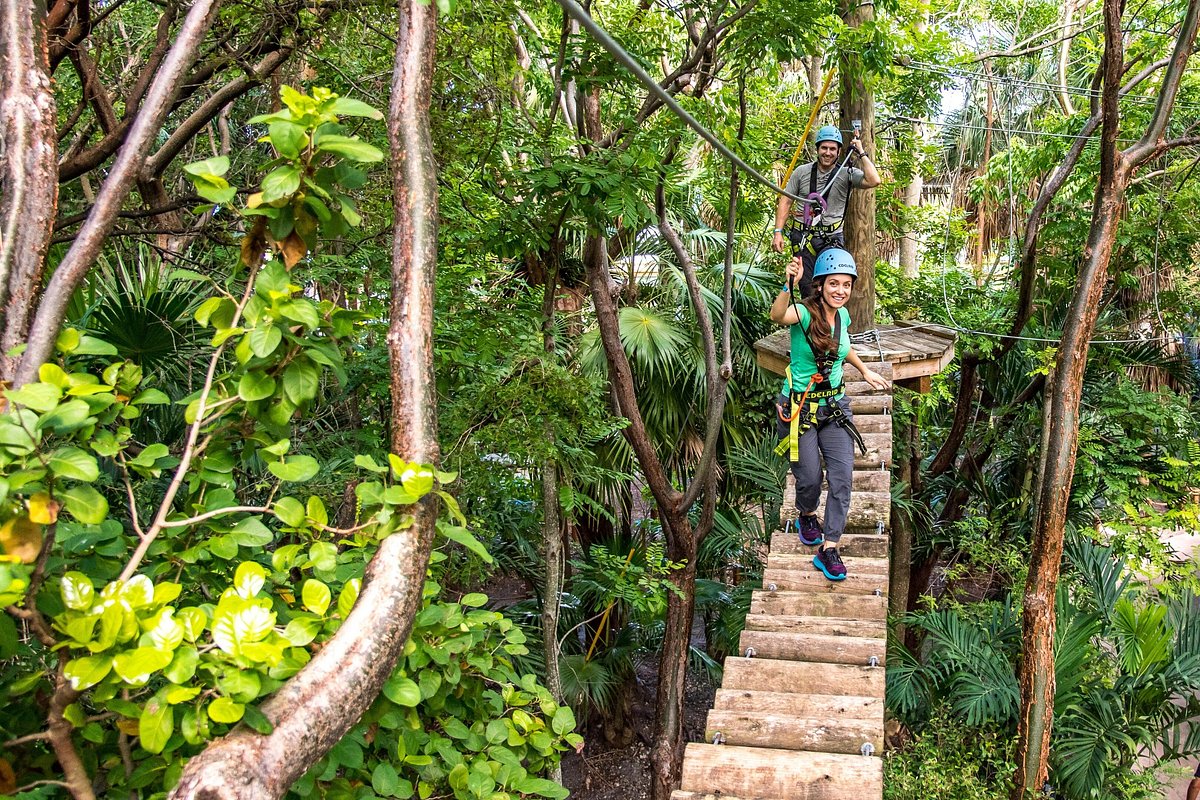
[607, 610]
[812, 117]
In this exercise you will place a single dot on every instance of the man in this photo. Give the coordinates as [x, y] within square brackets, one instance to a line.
[825, 230]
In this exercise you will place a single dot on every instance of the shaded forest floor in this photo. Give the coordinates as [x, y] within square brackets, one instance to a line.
[605, 772]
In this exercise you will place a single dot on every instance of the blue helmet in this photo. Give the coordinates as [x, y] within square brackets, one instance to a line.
[834, 261]
[829, 133]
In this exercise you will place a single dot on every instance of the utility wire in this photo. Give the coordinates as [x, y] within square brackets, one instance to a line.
[576, 12]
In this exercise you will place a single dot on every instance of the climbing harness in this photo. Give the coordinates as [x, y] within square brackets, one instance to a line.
[805, 230]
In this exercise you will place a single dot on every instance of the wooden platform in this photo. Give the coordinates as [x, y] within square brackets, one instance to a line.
[799, 715]
[914, 349]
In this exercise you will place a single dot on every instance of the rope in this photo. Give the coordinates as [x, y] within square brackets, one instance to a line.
[576, 12]
[812, 117]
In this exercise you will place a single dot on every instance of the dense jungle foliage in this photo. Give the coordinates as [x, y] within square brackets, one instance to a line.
[193, 488]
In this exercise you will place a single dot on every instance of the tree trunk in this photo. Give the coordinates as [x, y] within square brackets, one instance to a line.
[28, 167]
[552, 539]
[1060, 430]
[981, 212]
[669, 741]
[912, 201]
[857, 102]
[313, 710]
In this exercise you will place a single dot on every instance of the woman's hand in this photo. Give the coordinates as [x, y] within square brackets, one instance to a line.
[875, 379]
[795, 269]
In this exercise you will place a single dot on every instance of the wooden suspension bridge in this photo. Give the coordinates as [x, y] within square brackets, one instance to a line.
[800, 712]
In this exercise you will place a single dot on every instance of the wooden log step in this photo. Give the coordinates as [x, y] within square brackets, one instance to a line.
[873, 423]
[871, 404]
[786, 774]
[849, 373]
[879, 449]
[861, 545]
[813, 647]
[821, 734]
[828, 626]
[806, 706]
[857, 388]
[813, 580]
[802, 562]
[867, 509]
[800, 677]
[815, 604]
[679, 794]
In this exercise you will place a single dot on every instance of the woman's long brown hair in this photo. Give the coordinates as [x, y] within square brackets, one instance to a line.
[820, 334]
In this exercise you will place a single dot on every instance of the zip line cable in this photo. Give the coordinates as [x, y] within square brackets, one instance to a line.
[576, 12]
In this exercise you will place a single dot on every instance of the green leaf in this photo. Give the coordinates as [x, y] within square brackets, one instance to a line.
[348, 597]
[186, 659]
[66, 418]
[288, 138]
[302, 311]
[156, 725]
[77, 591]
[563, 721]
[323, 556]
[256, 385]
[402, 692]
[151, 397]
[466, 539]
[349, 147]
[315, 510]
[249, 579]
[85, 504]
[87, 671]
[225, 710]
[93, 346]
[347, 107]
[263, 341]
[316, 596]
[257, 720]
[251, 532]
[214, 167]
[73, 463]
[385, 780]
[417, 480]
[366, 462]
[280, 182]
[300, 381]
[136, 666]
[290, 512]
[38, 396]
[295, 468]
[215, 190]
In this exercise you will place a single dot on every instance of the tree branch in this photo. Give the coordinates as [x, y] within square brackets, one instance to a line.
[83, 252]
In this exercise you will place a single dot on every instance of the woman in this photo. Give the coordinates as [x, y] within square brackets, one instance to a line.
[813, 409]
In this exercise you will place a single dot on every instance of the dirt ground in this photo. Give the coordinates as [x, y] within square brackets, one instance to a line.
[624, 773]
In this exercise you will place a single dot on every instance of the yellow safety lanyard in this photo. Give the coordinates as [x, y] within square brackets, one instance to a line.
[800, 422]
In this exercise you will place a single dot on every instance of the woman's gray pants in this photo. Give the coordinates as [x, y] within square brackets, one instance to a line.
[834, 443]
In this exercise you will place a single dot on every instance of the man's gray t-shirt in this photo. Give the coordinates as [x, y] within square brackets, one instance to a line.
[835, 198]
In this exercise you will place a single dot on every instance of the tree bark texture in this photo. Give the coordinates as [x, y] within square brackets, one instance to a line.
[28, 166]
[314, 709]
[857, 102]
[43, 331]
[1060, 431]
[552, 538]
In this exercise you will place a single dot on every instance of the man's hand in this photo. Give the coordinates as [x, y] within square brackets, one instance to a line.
[856, 145]
[777, 242]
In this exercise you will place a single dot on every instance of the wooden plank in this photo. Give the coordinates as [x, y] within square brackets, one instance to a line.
[928, 328]
[811, 579]
[873, 423]
[785, 774]
[929, 366]
[679, 794]
[760, 674]
[830, 603]
[827, 626]
[802, 562]
[789, 704]
[815, 648]
[867, 509]
[821, 735]
[862, 545]
[875, 404]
